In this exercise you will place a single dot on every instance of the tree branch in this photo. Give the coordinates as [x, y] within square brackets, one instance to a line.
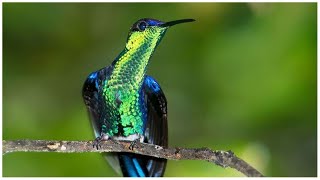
[221, 158]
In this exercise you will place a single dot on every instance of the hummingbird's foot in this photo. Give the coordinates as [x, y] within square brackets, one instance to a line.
[96, 143]
[133, 144]
[98, 140]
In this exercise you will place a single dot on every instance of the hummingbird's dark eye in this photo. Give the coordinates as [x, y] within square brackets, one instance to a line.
[142, 26]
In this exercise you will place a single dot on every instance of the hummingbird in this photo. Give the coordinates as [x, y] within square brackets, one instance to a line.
[126, 104]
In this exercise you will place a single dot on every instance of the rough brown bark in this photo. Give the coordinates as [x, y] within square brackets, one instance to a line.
[221, 158]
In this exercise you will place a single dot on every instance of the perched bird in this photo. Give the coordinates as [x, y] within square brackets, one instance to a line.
[126, 104]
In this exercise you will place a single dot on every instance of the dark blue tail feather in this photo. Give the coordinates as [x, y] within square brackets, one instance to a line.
[133, 165]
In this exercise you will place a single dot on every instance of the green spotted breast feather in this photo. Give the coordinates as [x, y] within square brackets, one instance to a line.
[122, 91]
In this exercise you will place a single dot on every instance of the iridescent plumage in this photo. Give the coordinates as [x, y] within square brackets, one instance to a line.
[122, 90]
[124, 103]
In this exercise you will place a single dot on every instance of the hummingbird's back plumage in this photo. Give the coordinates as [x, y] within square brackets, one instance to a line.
[124, 103]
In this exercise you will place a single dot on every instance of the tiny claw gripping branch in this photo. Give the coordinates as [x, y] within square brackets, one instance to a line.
[98, 140]
[97, 143]
[133, 144]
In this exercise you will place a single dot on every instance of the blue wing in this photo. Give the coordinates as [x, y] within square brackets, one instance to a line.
[156, 133]
[92, 95]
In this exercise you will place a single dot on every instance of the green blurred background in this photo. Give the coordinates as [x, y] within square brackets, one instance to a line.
[242, 77]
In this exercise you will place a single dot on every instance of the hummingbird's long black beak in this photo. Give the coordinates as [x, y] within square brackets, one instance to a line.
[171, 23]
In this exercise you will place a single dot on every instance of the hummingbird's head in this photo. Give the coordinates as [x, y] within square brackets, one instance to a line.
[149, 32]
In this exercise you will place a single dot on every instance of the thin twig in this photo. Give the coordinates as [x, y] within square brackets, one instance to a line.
[221, 158]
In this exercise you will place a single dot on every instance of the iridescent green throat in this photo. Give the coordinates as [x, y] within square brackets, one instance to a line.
[122, 89]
